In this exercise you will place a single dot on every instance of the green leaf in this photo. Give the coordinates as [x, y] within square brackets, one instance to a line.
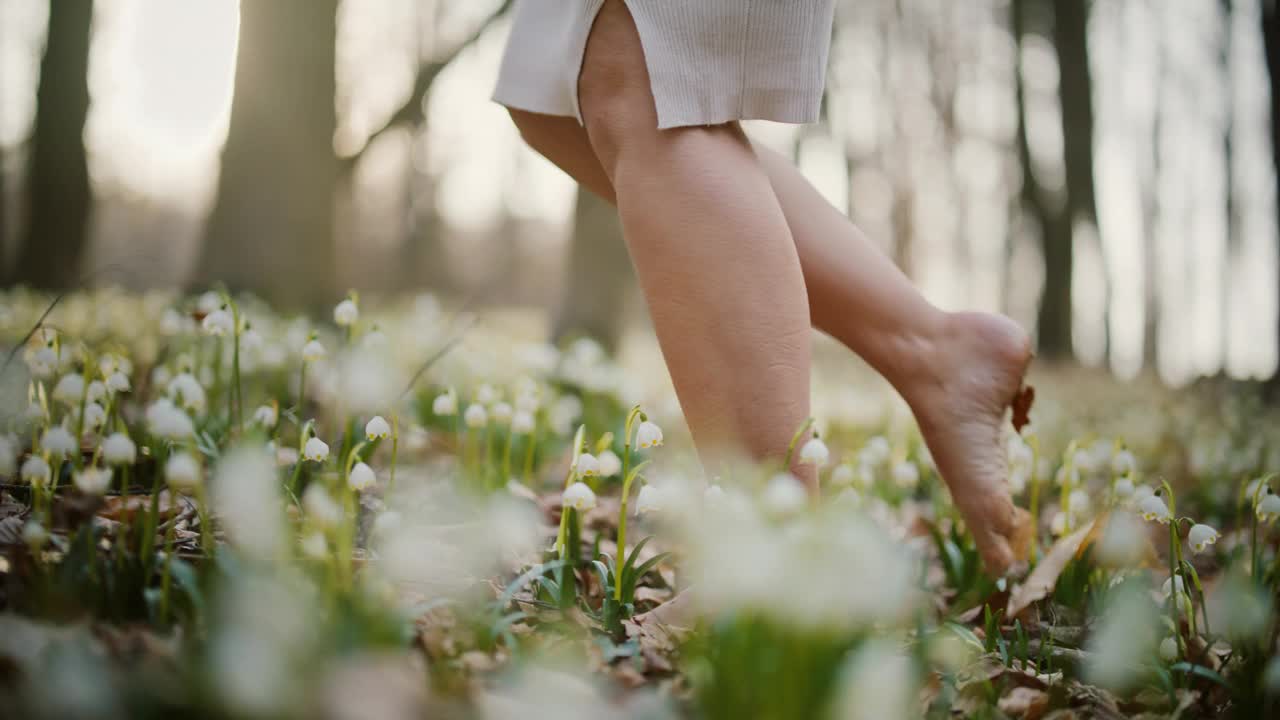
[1201, 671]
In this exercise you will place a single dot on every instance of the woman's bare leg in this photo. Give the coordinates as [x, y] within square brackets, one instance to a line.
[957, 371]
[712, 250]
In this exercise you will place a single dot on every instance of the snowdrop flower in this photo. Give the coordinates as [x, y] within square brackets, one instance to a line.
[502, 413]
[346, 313]
[609, 463]
[578, 496]
[1078, 502]
[814, 452]
[315, 450]
[877, 450]
[94, 416]
[320, 506]
[587, 465]
[377, 428]
[118, 382]
[312, 351]
[1201, 536]
[166, 420]
[187, 392]
[1018, 479]
[42, 363]
[36, 471]
[34, 535]
[1019, 452]
[522, 422]
[58, 442]
[96, 391]
[650, 499]
[1268, 507]
[842, 475]
[267, 416]
[118, 449]
[444, 404]
[1058, 524]
[375, 339]
[1124, 463]
[1173, 584]
[161, 377]
[1152, 508]
[712, 495]
[361, 477]
[1123, 541]
[92, 481]
[208, 302]
[218, 323]
[906, 474]
[1169, 649]
[314, 546]
[785, 494]
[485, 394]
[183, 473]
[1124, 488]
[70, 389]
[475, 416]
[170, 322]
[648, 435]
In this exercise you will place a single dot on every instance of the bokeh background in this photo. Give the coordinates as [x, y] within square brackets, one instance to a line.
[1104, 171]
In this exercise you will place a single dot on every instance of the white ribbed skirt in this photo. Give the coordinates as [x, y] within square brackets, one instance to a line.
[709, 61]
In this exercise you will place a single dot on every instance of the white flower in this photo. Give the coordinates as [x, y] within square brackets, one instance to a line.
[315, 450]
[267, 416]
[1123, 541]
[501, 412]
[1201, 536]
[94, 416]
[187, 392]
[650, 499]
[346, 313]
[444, 404]
[485, 394]
[609, 463]
[118, 382]
[1124, 463]
[166, 420]
[314, 546]
[320, 506]
[58, 442]
[8, 454]
[475, 416]
[1153, 508]
[578, 496]
[312, 351]
[842, 475]
[713, 494]
[285, 456]
[34, 535]
[361, 477]
[377, 428]
[92, 481]
[1018, 477]
[70, 389]
[250, 339]
[648, 435]
[118, 449]
[1078, 502]
[785, 494]
[1058, 524]
[814, 452]
[1173, 584]
[587, 465]
[218, 323]
[877, 450]
[522, 422]
[96, 391]
[161, 376]
[208, 302]
[171, 322]
[183, 473]
[36, 471]
[1169, 649]
[1124, 488]
[42, 362]
[1269, 507]
[906, 474]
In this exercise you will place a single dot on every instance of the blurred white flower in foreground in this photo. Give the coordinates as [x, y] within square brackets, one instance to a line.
[247, 501]
[182, 472]
[35, 471]
[59, 442]
[1124, 640]
[878, 682]
[92, 481]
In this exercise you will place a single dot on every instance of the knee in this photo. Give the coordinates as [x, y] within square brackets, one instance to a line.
[614, 97]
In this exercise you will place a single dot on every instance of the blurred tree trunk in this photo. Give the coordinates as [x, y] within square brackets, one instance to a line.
[1075, 92]
[1271, 41]
[1232, 230]
[271, 229]
[57, 185]
[1053, 325]
[599, 274]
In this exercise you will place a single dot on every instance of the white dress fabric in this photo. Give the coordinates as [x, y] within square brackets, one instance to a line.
[709, 61]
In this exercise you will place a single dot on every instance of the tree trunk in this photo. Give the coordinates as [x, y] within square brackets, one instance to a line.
[1053, 324]
[1075, 93]
[1271, 41]
[271, 229]
[599, 274]
[58, 177]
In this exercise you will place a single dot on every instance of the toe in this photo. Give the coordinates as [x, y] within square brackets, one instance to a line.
[996, 554]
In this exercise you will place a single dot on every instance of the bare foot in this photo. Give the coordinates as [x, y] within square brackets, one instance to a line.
[976, 369]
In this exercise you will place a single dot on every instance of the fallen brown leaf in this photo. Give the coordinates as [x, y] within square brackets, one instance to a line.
[1024, 702]
[1044, 577]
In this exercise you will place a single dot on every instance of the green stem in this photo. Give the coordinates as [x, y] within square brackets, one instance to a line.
[167, 573]
[395, 450]
[506, 458]
[791, 447]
